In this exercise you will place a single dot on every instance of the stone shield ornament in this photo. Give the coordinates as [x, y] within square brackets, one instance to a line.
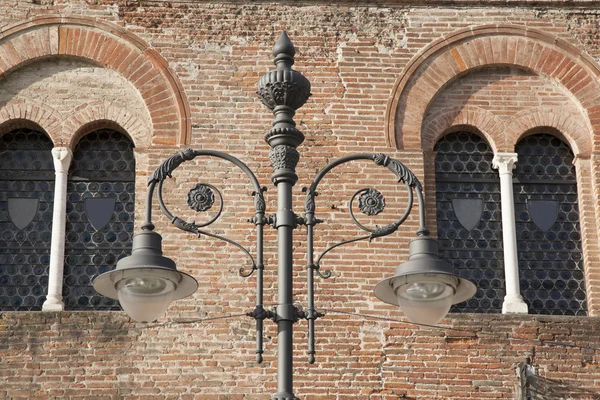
[22, 210]
[543, 213]
[99, 211]
[468, 212]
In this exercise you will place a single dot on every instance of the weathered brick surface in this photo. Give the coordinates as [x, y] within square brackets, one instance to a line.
[386, 78]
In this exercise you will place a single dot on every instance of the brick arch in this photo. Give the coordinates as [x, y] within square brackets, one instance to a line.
[456, 54]
[530, 121]
[95, 115]
[489, 126]
[20, 113]
[109, 46]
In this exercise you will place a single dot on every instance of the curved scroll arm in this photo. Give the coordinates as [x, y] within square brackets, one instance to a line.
[166, 169]
[327, 273]
[403, 174]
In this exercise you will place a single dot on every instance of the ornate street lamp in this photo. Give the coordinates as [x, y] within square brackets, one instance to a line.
[147, 282]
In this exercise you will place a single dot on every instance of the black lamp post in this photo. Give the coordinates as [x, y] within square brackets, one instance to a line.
[146, 282]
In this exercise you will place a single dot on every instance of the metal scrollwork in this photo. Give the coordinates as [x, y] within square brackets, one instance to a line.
[202, 198]
[384, 230]
[404, 174]
[185, 226]
[169, 165]
[370, 201]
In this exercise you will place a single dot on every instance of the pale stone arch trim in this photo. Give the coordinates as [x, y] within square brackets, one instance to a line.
[525, 122]
[451, 56]
[110, 46]
[97, 115]
[485, 124]
[47, 118]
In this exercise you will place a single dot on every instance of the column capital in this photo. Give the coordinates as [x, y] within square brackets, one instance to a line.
[62, 157]
[505, 162]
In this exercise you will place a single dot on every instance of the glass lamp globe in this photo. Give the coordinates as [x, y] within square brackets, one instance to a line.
[145, 283]
[145, 299]
[425, 302]
[424, 287]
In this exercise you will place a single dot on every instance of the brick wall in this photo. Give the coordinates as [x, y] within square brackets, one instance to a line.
[386, 78]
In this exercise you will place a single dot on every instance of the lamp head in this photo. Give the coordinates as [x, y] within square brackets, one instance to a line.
[424, 287]
[146, 282]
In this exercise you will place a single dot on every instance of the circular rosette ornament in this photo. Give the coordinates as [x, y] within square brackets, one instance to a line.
[371, 202]
[201, 197]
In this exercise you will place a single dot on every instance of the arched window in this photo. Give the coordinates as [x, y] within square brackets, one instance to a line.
[547, 221]
[26, 202]
[469, 220]
[100, 205]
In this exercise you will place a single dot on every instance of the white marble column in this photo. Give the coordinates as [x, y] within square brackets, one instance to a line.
[513, 301]
[62, 159]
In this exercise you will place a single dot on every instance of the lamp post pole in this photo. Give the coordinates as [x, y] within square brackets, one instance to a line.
[283, 91]
[146, 282]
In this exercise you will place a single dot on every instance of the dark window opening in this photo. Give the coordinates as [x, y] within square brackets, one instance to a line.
[26, 207]
[547, 220]
[100, 215]
[469, 220]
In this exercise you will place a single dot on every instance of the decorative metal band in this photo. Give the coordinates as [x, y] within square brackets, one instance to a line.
[277, 136]
[201, 197]
[284, 157]
[371, 202]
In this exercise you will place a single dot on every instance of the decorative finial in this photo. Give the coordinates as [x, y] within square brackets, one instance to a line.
[284, 91]
[284, 50]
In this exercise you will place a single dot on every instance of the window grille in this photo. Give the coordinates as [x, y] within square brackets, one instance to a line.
[26, 202]
[100, 206]
[547, 221]
[469, 218]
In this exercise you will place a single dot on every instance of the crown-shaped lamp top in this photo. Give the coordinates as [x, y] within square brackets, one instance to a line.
[284, 52]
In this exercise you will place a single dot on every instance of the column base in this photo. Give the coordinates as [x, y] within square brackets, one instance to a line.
[514, 305]
[53, 305]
